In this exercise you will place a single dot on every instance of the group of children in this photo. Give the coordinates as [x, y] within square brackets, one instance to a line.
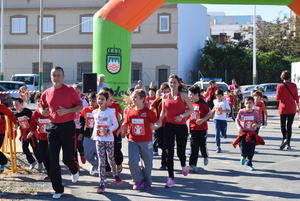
[102, 124]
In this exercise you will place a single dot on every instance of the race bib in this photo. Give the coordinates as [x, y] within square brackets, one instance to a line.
[102, 125]
[256, 108]
[195, 114]
[77, 120]
[42, 125]
[219, 112]
[23, 122]
[151, 101]
[89, 120]
[138, 127]
[248, 122]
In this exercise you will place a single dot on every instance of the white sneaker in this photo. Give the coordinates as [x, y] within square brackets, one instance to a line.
[40, 166]
[75, 177]
[93, 170]
[32, 165]
[56, 195]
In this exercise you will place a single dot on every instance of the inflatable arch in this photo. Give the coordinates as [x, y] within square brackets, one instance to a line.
[114, 23]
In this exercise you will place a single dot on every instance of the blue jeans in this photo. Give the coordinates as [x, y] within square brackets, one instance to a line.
[221, 128]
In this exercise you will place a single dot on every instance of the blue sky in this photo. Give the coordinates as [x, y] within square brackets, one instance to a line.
[268, 13]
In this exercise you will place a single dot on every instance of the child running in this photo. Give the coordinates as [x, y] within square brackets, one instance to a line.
[198, 127]
[23, 116]
[138, 123]
[221, 108]
[87, 126]
[232, 102]
[38, 125]
[260, 107]
[105, 123]
[247, 123]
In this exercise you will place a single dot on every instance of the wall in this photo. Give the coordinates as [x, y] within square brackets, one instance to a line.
[193, 30]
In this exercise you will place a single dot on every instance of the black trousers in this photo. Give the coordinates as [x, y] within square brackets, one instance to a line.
[286, 122]
[198, 141]
[117, 153]
[25, 147]
[180, 133]
[3, 159]
[79, 143]
[247, 149]
[43, 149]
[61, 135]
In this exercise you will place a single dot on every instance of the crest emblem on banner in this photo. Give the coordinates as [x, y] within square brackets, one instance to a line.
[113, 60]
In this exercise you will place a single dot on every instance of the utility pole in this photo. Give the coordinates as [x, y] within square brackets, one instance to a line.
[41, 67]
[254, 47]
[2, 42]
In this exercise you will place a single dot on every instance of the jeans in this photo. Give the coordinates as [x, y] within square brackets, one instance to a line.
[221, 129]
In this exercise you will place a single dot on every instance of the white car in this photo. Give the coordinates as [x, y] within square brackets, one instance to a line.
[31, 80]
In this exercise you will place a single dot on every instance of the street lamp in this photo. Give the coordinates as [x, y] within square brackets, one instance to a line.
[254, 47]
[2, 42]
[41, 67]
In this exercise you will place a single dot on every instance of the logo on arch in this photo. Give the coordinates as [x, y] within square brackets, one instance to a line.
[114, 60]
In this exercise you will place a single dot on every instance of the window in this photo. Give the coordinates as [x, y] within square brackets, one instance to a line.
[47, 70]
[162, 73]
[18, 25]
[164, 23]
[137, 30]
[48, 24]
[86, 24]
[223, 38]
[84, 67]
[136, 71]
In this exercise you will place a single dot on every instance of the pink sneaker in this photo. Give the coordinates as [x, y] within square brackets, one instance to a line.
[118, 181]
[185, 170]
[170, 183]
[83, 160]
[100, 189]
[137, 186]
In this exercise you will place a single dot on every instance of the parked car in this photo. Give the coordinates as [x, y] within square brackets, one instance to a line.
[269, 90]
[12, 86]
[31, 80]
[204, 85]
[5, 98]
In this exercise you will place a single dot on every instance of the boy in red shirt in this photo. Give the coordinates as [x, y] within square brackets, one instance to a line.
[38, 125]
[232, 101]
[198, 127]
[113, 104]
[151, 97]
[4, 111]
[260, 107]
[23, 116]
[138, 121]
[87, 125]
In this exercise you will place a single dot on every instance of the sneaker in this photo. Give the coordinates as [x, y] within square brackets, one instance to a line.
[1, 169]
[75, 177]
[119, 168]
[57, 195]
[40, 166]
[283, 144]
[100, 189]
[93, 170]
[147, 187]
[185, 170]
[193, 169]
[118, 181]
[243, 161]
[170, 183]
[137, 185]
[225, 136]
[205, 161]
[163, 167]
[46, 177]
[218, 150]
[32, 165]
[155, 153]
[289, 147]
[251, 168]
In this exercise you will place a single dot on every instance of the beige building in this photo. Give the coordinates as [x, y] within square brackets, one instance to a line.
[158, 49]
[296, 29]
